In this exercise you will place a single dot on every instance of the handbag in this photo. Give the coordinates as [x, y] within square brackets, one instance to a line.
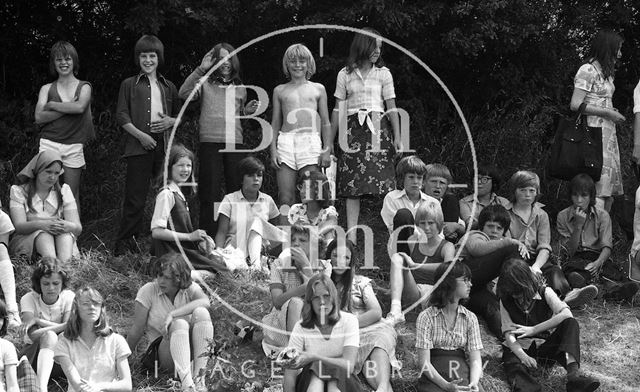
[576, 148]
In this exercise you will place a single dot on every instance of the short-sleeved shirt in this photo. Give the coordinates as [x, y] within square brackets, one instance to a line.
[6, 226]
[596, 232]
[8, 356]
[164, 204]
[466, 205]
[284, 275]
[151, 297]
[32, 302]
[367, 93]
[298, 214]
[534, 234]
[432, 330]
[241, 214]
[398, 199]
[47, 208]
[345, 333]
[553, 301]
[97, 363]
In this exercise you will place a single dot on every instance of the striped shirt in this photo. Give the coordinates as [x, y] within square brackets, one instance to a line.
[367, 93]
[432, 330]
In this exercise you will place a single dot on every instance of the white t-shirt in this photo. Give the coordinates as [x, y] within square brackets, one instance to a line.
[32, 302]
[8, 356]
[345, 333]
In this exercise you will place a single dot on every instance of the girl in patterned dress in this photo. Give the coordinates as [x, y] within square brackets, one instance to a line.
[364, 88]
[593, 85]
[376, 353]
[8, 357]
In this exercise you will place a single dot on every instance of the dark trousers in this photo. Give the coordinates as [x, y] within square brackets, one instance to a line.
[215, 167]
[141, 170]
[403, 217]
[484, 269]
[565, 339]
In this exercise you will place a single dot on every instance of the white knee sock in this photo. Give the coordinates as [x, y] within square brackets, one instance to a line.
[396, 307]
[201, 333]
[44, 366]
[8, 283]
[181, 354]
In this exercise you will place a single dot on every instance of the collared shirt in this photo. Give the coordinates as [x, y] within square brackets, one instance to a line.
[345, 333]
[368, 93]
[466, 205]
[534, 234]
[97, 363]
[432, 330]
[159, 305]
[596, 232]
[398, 199]
[134, 106]
[47, 208]
[164, 204]
[286, 277]
[553, 301]
[245, 216]
[56, 312]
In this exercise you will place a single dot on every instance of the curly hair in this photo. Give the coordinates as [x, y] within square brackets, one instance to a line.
[174, 263]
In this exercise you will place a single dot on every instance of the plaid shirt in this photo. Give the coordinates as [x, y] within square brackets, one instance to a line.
[367, 93]
[432, 330]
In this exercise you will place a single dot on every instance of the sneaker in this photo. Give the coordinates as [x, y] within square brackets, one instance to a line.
[620, 291]
[578, 297]
[576, 280]
[394, 318]
[580, 382]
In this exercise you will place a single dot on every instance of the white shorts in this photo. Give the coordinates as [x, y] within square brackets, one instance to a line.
[72, 154]
[299, 149]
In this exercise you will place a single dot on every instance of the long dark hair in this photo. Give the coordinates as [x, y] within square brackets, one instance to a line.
[517, 278]
[361, 48]
[233, 60]
[604, 48]
[177, 152]
[345, 280]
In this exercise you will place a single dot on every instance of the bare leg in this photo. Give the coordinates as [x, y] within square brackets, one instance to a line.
[71, 177]
[64, 246]
[45, 244]
[380, 377]
[286, 177]
[403, 284]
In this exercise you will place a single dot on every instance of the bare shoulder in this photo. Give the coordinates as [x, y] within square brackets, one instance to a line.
[45, 88]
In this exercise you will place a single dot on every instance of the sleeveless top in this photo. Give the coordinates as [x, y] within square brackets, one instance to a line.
[420, 258]
[70, 128]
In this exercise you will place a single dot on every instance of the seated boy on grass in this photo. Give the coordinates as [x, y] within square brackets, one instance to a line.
[436, 182]
[586, 243]
[400, 205]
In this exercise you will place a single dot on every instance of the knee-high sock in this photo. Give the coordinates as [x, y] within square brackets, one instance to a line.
[44, 366]
[181, 354]
[201, 333]
[8, 283]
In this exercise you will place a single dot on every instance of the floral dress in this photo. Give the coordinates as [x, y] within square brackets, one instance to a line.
[367, 167]
[599, 93]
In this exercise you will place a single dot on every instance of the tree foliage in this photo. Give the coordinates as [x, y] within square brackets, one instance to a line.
[508, 63]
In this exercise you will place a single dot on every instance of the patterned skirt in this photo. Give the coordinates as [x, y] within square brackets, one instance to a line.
[365, 172]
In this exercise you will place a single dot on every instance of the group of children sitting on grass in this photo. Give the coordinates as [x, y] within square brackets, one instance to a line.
[490, 253]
